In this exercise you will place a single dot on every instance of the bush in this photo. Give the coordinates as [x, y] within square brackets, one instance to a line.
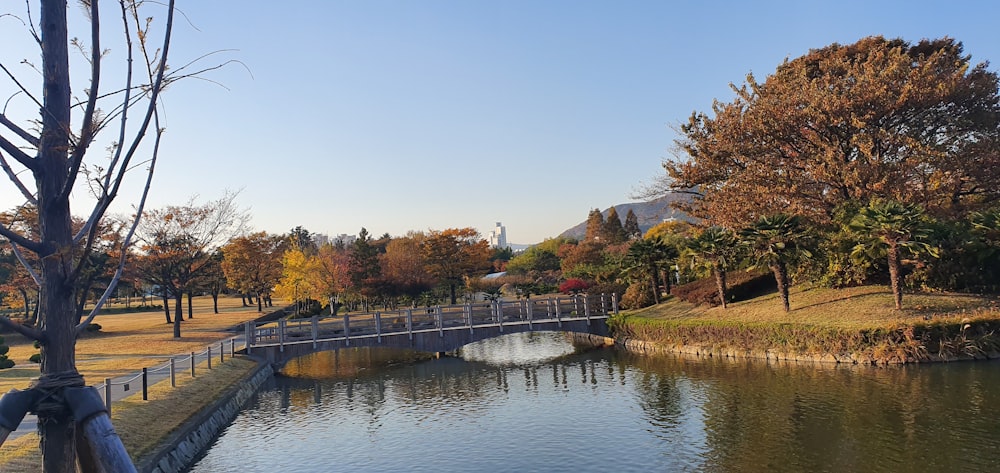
[93, 327]
[573, 286]
[36, 358]
[637, 296]
[742, 285]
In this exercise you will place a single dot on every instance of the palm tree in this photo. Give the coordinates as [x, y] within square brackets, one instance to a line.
[774, 242]
[712, 249]
[647, 257]
[890, 229]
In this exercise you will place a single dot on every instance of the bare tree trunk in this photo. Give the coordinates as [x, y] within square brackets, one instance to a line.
[166, 306]
[215, 301]
[27, 305]
[260, 308]
[720, 283]
[178, 314]
[190, 307]
[896, 275]
[781, 277]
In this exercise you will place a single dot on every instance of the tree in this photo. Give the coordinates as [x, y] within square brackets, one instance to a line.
[542, 257]
[364, 265]
[331, 274]
[892, 230]
[404, 267]
[454, 253]
[295, 282]
[595, 225]
[775, 242]
[252, 264]
[632, 231]
[613, 232]
[880, 118]
[179, 241]
[648, 257]
[713, 249]
[300, 238]
[55, 158]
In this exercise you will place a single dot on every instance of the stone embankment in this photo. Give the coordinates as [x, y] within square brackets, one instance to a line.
[181, 449]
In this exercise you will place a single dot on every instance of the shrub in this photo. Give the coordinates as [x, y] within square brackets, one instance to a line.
[93, 327]
[4, 361]
[36, 358]
[637, 296]
[742, 285]
[573, 286]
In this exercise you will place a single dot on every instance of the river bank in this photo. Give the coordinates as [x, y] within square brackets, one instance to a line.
[854, 325]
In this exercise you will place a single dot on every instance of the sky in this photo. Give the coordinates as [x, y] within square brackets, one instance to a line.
[426, 115]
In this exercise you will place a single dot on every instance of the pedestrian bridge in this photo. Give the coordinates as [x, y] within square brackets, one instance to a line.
[437, 329]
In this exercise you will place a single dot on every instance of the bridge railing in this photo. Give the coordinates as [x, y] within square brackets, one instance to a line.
[440, 318]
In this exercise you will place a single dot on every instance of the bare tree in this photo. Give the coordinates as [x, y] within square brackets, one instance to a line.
[50, 149]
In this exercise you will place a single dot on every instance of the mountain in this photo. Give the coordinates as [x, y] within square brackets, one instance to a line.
[648, 213]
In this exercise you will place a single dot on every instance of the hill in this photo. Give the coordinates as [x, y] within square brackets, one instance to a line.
[648, 213]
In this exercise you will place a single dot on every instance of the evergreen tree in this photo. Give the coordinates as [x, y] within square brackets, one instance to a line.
[595, 225]
[632, 231]
[613, 230]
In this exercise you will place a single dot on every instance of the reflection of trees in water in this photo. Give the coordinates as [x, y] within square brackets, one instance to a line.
[762, 416]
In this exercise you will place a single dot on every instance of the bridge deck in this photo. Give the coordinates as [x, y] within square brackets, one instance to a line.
[438, 328]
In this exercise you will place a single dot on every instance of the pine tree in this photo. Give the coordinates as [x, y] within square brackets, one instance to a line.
[613, 230]
[632, 230]
[595, 225]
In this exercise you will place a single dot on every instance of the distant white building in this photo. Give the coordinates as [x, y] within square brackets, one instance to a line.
[498, 237]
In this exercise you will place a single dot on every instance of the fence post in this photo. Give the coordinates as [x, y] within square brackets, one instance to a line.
[173, 374]
[470, 309]
[500, 315]
[378, 326]
[248, 337]
[232, 347]
[604, 310]
[347, 330]
[107, 394]
[192, 364]
[440, 321]
[209, 357]
[586, 308]
[409, 322]
[314, 328]
[558, 314]
[281, 335]
[614, 303]
[222, 352]
[145, 384]
[529, 308]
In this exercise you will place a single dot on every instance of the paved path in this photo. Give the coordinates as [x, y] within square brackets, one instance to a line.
[131, 385]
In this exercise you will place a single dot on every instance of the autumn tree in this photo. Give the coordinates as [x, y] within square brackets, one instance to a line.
[595, 225]
[48, 145]
[180, 240]
[880, 118]
[404, 266]
[252, 263]
[295, 283]
[331, 274]
[454, 253]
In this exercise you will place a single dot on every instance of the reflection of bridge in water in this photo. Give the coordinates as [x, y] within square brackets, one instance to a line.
[436, 329]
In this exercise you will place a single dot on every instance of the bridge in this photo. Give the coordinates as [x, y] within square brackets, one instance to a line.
[437, 329]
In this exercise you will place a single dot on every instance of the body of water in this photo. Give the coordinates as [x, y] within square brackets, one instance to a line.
[531, 402]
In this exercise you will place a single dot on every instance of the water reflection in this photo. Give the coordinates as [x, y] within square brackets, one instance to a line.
[536, 403]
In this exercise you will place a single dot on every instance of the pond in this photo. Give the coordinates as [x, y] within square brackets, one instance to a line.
[534, 402]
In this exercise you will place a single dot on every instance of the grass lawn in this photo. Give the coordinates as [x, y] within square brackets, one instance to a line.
[131, 341]
[848, 308]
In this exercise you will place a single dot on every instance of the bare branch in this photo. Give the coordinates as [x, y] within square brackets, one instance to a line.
[17, 153]
[19, 239]
[87, 130]
[17, 181]
[28, 332]
[31, 139]
[27, 267]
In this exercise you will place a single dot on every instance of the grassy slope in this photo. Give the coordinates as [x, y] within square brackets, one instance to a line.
[855, 323]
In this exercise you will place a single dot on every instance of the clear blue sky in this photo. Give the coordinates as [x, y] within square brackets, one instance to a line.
[416, 115]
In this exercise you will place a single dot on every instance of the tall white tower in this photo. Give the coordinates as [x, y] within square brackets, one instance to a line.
[498, 237]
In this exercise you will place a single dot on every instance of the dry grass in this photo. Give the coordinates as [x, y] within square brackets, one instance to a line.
[849, 308]
[131, 341]
[171, 407]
